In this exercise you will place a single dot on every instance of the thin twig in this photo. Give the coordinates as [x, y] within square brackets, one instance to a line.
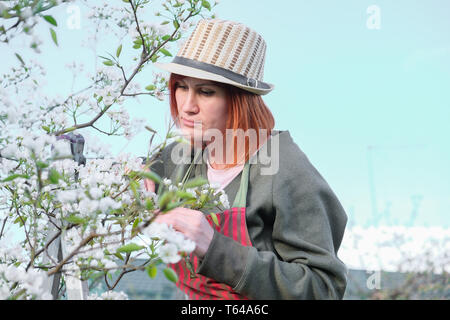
[144, 48]
[143, 60]
[74, 252]
[3, 227]
[57, 234]
[73, 95]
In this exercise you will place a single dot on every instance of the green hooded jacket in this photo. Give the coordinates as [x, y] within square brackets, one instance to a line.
[295, 222]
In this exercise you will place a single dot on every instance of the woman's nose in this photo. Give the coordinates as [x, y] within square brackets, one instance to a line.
[190, 104]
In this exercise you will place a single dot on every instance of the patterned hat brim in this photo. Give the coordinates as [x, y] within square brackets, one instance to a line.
[205, 71]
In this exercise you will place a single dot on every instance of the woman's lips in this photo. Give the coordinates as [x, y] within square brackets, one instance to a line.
[188, 123]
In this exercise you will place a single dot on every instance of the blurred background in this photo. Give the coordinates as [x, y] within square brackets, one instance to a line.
[363, 88]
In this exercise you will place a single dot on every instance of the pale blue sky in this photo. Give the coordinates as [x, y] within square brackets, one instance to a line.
[340, 87]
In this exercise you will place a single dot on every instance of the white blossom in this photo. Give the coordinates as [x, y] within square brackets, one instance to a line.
[109, 295]
[185, 26]
[88, 207]
[396, 248]
[224, 200]
[32, 281]
[96, 193]
[81, 200]
[10, 151]
[3, 7]
[159, 95]
[62, 148]
[173, 241]
[169, 253]
[108, 203]
[67, 196]
[26, 13]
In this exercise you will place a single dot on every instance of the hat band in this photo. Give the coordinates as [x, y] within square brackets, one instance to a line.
[230, 75]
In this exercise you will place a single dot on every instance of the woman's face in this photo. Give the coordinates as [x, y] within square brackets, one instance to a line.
[200, 102]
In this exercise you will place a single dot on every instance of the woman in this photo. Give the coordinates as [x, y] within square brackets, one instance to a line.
[279, 239]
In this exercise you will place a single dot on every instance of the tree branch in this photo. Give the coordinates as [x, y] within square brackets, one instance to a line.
[144, 59]
[74, 252]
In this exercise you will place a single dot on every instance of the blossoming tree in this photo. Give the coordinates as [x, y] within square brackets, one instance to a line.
[97, 207]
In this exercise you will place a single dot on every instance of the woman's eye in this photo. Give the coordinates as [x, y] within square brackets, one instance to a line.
[180, 85]
[207, 92]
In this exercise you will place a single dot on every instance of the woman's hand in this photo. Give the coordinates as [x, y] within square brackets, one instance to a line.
[192, 224]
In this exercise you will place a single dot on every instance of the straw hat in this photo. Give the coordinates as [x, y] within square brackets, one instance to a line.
[223, 51]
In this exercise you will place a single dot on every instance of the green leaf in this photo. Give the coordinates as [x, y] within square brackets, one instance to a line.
[164, 200]
[206, 4]
[203, 198]
[20, 220]
[195, 182]
[133, 174]
[108, 63]
[118, 51]
[165, 52]
[135, 223]
[54, 176]
[190, 267]
[134, 228]
[185, 195]
[51, 20]
[129, 248]
[38, 7]
[170, 275]
[166, 37]
[75, 219]
[46, 128]
[6, 14]
[165, 22]
[149, 204]
[41, 164]
[173, 205]
[134, 185]
[176, 24]
[53, 34]
[15, 176]
[118, 255]
[20, 59]
[70, 129]
[214, 218]
[152, 271]
[150, 87]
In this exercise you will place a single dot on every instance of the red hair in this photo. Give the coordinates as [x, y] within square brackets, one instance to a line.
[246, 110]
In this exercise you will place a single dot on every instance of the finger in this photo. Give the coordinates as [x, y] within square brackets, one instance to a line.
[177, 219]
[149, 185]
[167, 219]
